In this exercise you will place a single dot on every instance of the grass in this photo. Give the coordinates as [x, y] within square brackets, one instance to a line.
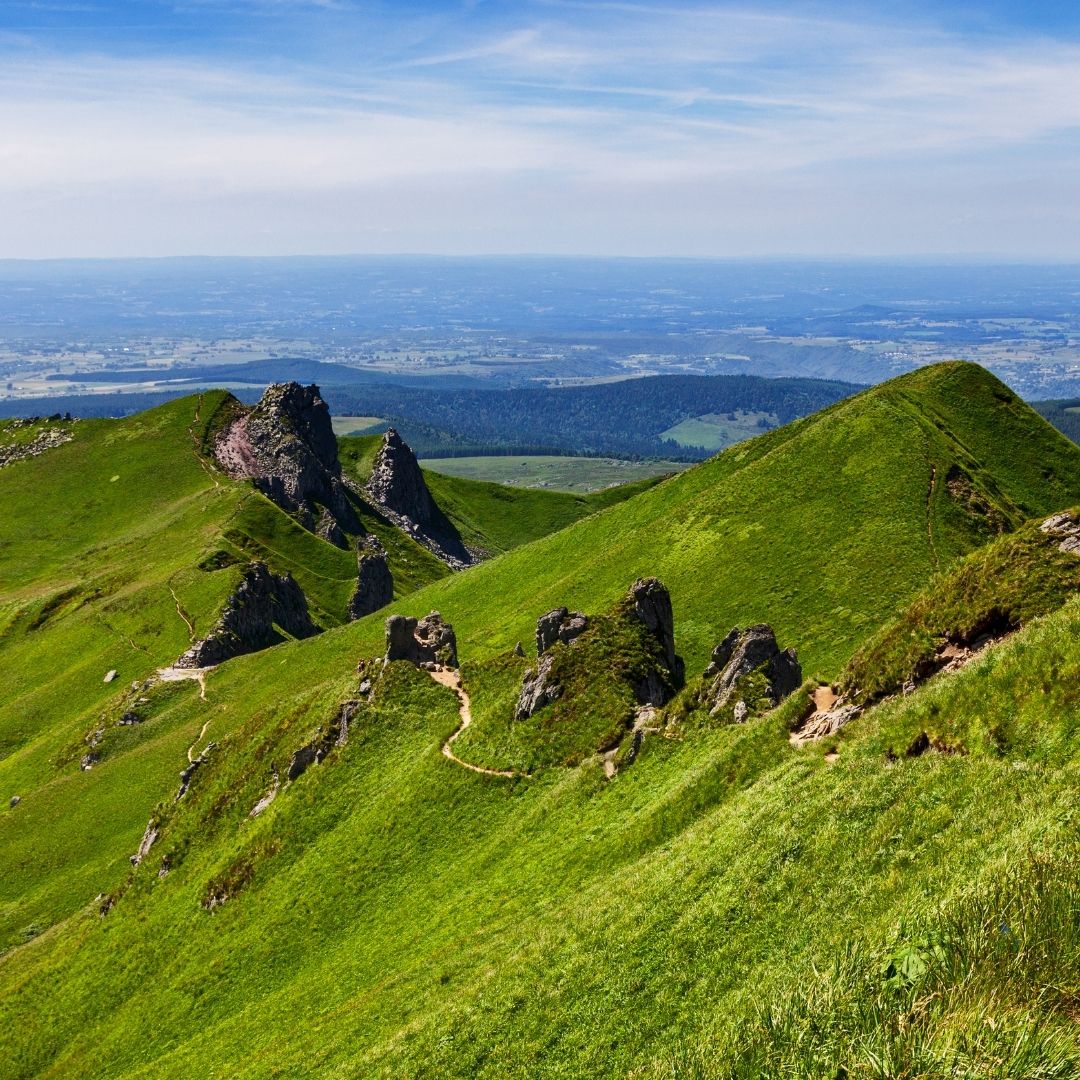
[727, 905]
[716, 431]
[995, 590]
[580, 475]
[350, 425]
[492, 516]
[394, 914]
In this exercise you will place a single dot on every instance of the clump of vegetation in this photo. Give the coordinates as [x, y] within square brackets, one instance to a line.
[989, 594]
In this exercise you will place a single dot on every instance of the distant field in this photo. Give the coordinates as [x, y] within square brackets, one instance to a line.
[555, 473]
[346, 425]
[715, 431]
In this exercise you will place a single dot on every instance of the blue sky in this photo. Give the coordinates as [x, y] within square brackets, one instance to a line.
[653, 128]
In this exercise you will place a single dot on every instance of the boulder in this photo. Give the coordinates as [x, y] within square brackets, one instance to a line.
[1065, 527]
[15, 800]
[374, 581]
[427, 641]
[559, 625]
[745, 651]
[261, 603]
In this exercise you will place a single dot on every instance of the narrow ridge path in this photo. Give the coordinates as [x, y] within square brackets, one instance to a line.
[452, 681]
[183, 615]
[191, 748]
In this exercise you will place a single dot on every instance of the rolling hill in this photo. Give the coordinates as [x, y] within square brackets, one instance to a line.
[729, 905]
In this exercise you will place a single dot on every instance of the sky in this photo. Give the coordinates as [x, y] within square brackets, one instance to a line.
[277, 127]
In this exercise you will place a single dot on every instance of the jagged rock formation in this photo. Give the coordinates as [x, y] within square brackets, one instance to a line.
[374, 581]
[538, 689]
[743, 652]
[286, 445]
[262, 602]
[652, 605]
[559, 625]
[649, 602]
[397, 482]
[429, 642]
[398, 487]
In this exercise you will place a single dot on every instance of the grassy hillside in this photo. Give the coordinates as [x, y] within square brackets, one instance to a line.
[729, 906]
[824, 528]
[391, 913]
[493, 517]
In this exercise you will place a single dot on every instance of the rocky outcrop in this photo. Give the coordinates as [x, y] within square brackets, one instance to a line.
[538, 689]
[286, 446]
[398, 487]
[559, 625]
[314, 752]
[374, 581]
[149, 837]
[193, 767]
[47, 439]
[743, 652]
[262, 603]
[652, 604]
[397, 482]
[428, 642]
[649, 603]
[1065, 527]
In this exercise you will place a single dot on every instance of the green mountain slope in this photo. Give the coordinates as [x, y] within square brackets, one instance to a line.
[493, 517]
[117, 550]
[391, 913]
[823, 528]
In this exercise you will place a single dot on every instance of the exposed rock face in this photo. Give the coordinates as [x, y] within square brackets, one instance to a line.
[286, 445]
[559, 625]
[537, 689]
[652, 605]
[647, 601]
[429, 641]
[193, 768]
[374, 581]
[147, 842]
[397, 482]
[745, 651]
[1067, 527]
[398, 487]
[247, 623]
[315, 752]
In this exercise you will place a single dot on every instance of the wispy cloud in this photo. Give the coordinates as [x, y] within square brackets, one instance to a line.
[609, 125]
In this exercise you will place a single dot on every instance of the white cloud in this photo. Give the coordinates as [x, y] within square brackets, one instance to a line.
[648, 130]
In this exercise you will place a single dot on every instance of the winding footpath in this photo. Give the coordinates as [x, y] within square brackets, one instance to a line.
[452, 681]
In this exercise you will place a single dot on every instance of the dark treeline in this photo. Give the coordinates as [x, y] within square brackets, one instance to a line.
[620, 419]
[1063, 414]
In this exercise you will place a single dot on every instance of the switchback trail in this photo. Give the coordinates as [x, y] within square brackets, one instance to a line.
[452, 680]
